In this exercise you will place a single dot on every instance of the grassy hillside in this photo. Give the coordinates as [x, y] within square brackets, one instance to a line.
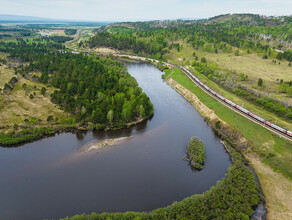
[225, 63]
[17, 107]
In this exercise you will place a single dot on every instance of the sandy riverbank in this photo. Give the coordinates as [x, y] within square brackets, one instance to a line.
[101, 145]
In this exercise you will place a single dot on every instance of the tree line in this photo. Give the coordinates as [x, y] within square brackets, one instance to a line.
[234, 197]
[219, 34]
[70, 31]
[95, 90]
[153, 47]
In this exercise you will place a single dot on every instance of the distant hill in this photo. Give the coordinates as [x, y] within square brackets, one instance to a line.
[230, 19]
[251, 20]
[21, 18]
[7, 18]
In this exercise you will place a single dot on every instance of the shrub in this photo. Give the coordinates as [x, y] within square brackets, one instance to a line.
[31, 96]
[203, 60]
[260, 82]
[218, 124]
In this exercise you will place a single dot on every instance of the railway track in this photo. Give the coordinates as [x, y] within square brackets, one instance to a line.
[287, 137]
[238, 111]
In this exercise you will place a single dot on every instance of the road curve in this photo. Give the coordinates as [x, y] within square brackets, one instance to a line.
[76, 37]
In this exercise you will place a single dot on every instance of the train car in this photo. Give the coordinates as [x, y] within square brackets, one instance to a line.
[190, 74]
[214, 93]
[242, 109]
[276, 127]
[220, 97]
[257, 117]
[268, 123]
[206, 87]
[195, 78]
[289, 133]
[230, 103]
[279, 128]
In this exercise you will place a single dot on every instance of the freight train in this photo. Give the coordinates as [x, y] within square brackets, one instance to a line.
[239, 108]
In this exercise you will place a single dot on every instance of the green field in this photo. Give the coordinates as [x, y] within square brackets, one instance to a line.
[273, 150]
[185, 57]
[251, 65]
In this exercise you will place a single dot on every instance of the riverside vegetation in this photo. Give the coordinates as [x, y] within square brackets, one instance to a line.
[95, 93]
[223, 201]
[245, 58]
[196, 153]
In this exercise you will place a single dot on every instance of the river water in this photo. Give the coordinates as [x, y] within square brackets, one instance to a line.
[50, 178]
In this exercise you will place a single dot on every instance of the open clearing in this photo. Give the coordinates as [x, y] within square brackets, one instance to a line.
[16, 106]
[251, 65]
[185, 57]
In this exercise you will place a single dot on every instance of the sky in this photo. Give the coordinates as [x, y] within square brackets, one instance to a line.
[132, 10]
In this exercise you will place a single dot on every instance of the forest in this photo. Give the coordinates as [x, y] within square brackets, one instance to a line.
[247, 31]
[95, 91]
[70, 31]
[154, 48]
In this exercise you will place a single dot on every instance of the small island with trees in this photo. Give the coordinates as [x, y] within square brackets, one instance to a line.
[196, 153]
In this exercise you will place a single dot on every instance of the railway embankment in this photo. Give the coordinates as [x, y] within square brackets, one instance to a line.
[277, 189]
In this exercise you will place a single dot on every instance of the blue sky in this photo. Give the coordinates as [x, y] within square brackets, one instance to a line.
[122, 10]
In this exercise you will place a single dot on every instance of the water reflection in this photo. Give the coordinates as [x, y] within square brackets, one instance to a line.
[50, 178]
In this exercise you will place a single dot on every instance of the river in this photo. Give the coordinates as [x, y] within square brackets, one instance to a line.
[51, 178]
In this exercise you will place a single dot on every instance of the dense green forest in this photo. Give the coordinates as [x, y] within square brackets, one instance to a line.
[196, 153]
[154, 48]
[223, 201]
[95, 90]
[70, 31]
[219, 34]
[265, 36]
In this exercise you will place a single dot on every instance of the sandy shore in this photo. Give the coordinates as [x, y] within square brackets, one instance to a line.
[102, 144]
